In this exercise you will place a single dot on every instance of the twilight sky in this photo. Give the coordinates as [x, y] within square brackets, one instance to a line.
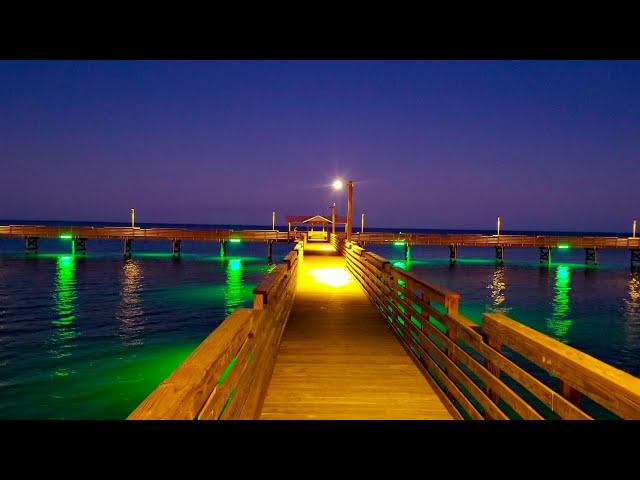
[548, 145]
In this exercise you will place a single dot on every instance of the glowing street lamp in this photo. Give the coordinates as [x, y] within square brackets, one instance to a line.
[133, 218]
[635, 227]
[499, 223]
[337, 184]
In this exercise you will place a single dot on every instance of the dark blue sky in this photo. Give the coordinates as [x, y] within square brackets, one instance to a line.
[548, 145]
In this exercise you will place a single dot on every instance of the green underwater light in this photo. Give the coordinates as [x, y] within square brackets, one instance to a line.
[563, 247]
[235, 240]
[66, 236]
[399, 243]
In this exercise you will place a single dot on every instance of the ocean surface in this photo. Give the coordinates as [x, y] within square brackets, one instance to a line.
[90, 338]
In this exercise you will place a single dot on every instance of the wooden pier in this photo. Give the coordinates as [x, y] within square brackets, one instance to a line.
[312, 347]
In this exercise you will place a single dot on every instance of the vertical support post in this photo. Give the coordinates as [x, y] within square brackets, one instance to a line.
[635, 258]
[176, 246]
[492, 367]
[223, 248]
[499, 254]
[453, 253]
[80, 246]
[270, 252]
[133, 218]
[128, 242]
[349, 210]
[333, 218]
[31, 245]
[591, 256]
[273, 221]
[570, 393]
[407, 251]
[545, 255]
[288, 231]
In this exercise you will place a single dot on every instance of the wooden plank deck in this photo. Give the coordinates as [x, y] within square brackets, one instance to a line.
[338, 359]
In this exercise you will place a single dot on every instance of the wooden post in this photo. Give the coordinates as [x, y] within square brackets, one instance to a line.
[453, 253]
[499, 254]
[570, 393]
[270, 252]
[175, 248]
[31, 245]
[128, 242]
[590, 256]
[635, 258]
[80, 246]
[223, 248]
[545, 255]
[349, 210]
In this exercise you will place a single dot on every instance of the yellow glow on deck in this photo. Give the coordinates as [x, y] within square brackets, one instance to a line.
[333, 276]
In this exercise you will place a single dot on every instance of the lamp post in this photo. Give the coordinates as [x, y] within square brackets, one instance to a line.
[337, 185]
[499, 222]
[333, 218]
[273, 227]
[635, 227]
[362, 224]
[133, 218]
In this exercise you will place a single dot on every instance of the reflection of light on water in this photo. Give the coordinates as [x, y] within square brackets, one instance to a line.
[632, 310]
[130, 312]
[64, 298]
[498, 286]
[233, 292]
[560, 322]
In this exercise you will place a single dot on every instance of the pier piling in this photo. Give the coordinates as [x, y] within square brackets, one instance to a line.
[31, 245]
[453, 253]
[591, 256]
[270, 251]
[499, 254]
[545, 255]
[128, 243]
[176, 246]
[635, 258]
[80, 246]
[223, 248]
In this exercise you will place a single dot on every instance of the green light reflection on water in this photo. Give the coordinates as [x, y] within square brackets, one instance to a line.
[233, 294]
[560, 321]
[64, 307]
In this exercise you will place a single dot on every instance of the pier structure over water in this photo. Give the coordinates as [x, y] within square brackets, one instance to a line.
[338, 332]
[545, 243]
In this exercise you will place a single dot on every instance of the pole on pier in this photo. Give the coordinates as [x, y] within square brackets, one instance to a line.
[133, 218]
[349, 209]
[223, 248]
[591, 256]
[635, 227]
[453, 253]
[273, 222]
[545, 255]
[499, 222]
[176, 247]
[499, 254]
[362, 223]
[31, 245]
[128, 243]
[79, 246]
[333, 218]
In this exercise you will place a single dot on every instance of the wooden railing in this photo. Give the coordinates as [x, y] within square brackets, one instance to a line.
[500, 370]
[227, 376]
[478, 240]
[168, 233]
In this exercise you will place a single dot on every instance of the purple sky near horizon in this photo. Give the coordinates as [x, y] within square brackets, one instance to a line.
[550, 145]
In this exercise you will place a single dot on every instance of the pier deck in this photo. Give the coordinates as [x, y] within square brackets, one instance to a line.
[337, 360]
